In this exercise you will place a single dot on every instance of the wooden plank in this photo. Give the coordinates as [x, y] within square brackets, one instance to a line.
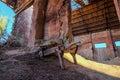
[96, 18]
[50, 51]
[117, 6]
[77, 24]
[118, 48]
[102, 54]
[98, 28]
[93, 18]
[59, 52]
[81, 31]
[90, 11]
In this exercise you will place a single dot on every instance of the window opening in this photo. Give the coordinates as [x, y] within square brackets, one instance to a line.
[74, 5]
[100, 45]
[117, 43]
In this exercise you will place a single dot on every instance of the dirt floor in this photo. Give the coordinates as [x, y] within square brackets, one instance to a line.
[29, 67]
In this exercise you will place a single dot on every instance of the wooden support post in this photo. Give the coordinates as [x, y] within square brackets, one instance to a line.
[74, 58]
[24, 6]
[37, 27]
[60, 56]
[61, 61]
[113, 43]
[93, 48]
[110, 44]
[40, 9]
[81, 2]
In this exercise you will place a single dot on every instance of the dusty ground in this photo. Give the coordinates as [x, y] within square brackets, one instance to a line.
[27, 67]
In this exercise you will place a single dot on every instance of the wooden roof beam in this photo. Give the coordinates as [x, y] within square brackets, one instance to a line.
[81, 2]
[90, 1]
[24, 6]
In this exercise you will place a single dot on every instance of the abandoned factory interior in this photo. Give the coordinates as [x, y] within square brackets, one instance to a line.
[59, 39]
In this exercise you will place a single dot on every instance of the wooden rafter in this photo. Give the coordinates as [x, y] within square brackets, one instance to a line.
[89, 1]
[94, 17]
[24, 6]
[81, 2]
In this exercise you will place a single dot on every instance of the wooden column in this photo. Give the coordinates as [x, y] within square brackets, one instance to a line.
[38, 18]
[81, 2]
[117, 6]
[110, 44]
[93, 48]
[57, 19]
